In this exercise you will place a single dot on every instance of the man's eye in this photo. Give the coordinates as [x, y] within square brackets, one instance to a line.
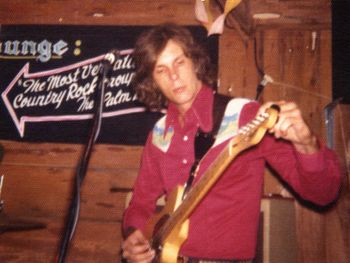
[181, 61]
[160, 71]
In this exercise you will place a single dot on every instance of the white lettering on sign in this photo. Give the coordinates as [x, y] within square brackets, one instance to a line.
[43, 50]
[68, 93]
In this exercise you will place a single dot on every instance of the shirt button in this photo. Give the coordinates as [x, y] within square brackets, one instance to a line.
[185, 138]
[184, 161]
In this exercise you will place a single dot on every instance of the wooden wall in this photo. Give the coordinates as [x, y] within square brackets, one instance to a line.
[38, 177]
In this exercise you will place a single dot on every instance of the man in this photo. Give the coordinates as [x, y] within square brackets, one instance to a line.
[172, 70]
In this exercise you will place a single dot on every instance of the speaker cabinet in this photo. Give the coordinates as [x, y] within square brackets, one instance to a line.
[277, 241]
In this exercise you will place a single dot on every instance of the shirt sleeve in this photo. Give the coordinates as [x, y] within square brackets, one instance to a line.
[147, 189]
[314, 177]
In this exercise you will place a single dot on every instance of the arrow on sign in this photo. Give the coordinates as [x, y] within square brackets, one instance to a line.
[66, 93]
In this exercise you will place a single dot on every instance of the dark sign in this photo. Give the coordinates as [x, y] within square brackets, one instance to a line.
[340, 51]
[49, 75]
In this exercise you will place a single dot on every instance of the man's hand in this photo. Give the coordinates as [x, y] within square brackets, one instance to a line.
[292, 127]
[136, 248]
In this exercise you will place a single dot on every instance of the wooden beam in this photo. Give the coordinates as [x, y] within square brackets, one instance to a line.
[103, 12]
[251, 14]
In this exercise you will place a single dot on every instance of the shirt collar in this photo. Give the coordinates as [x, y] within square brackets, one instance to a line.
[201, 109]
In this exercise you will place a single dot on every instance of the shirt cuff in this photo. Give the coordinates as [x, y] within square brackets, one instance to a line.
[313, 162]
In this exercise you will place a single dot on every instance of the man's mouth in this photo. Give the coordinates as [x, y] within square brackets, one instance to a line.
[179, 89]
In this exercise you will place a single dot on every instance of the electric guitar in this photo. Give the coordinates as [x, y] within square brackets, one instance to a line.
[168, 229]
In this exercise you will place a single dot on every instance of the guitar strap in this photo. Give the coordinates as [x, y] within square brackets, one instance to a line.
[203, 140]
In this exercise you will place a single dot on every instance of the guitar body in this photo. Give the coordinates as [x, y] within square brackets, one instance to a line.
[169, 247]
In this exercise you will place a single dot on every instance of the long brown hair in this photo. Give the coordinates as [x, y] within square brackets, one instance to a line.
[147, 49]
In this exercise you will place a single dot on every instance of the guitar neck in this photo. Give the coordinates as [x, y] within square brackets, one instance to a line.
[199, 190]
[247, 136]
[202, 187]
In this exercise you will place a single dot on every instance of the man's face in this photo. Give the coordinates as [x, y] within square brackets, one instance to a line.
[176, 77]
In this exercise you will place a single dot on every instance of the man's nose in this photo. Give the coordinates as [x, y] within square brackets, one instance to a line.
[174, 75]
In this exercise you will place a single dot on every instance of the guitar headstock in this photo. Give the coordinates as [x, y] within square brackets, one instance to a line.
[271, 115]
[251, 133]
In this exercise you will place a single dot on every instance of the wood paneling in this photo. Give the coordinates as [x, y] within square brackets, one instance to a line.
[308, 13]
[238, 75]
[103, 12]
[38, 186]
[337, 231]
[68, 155]
[44, 172]
[294, 50]
[301, 71]
[37, 191]
[93, 242]
[252, 15]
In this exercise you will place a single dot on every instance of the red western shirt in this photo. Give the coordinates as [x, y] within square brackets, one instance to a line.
[224, 225]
